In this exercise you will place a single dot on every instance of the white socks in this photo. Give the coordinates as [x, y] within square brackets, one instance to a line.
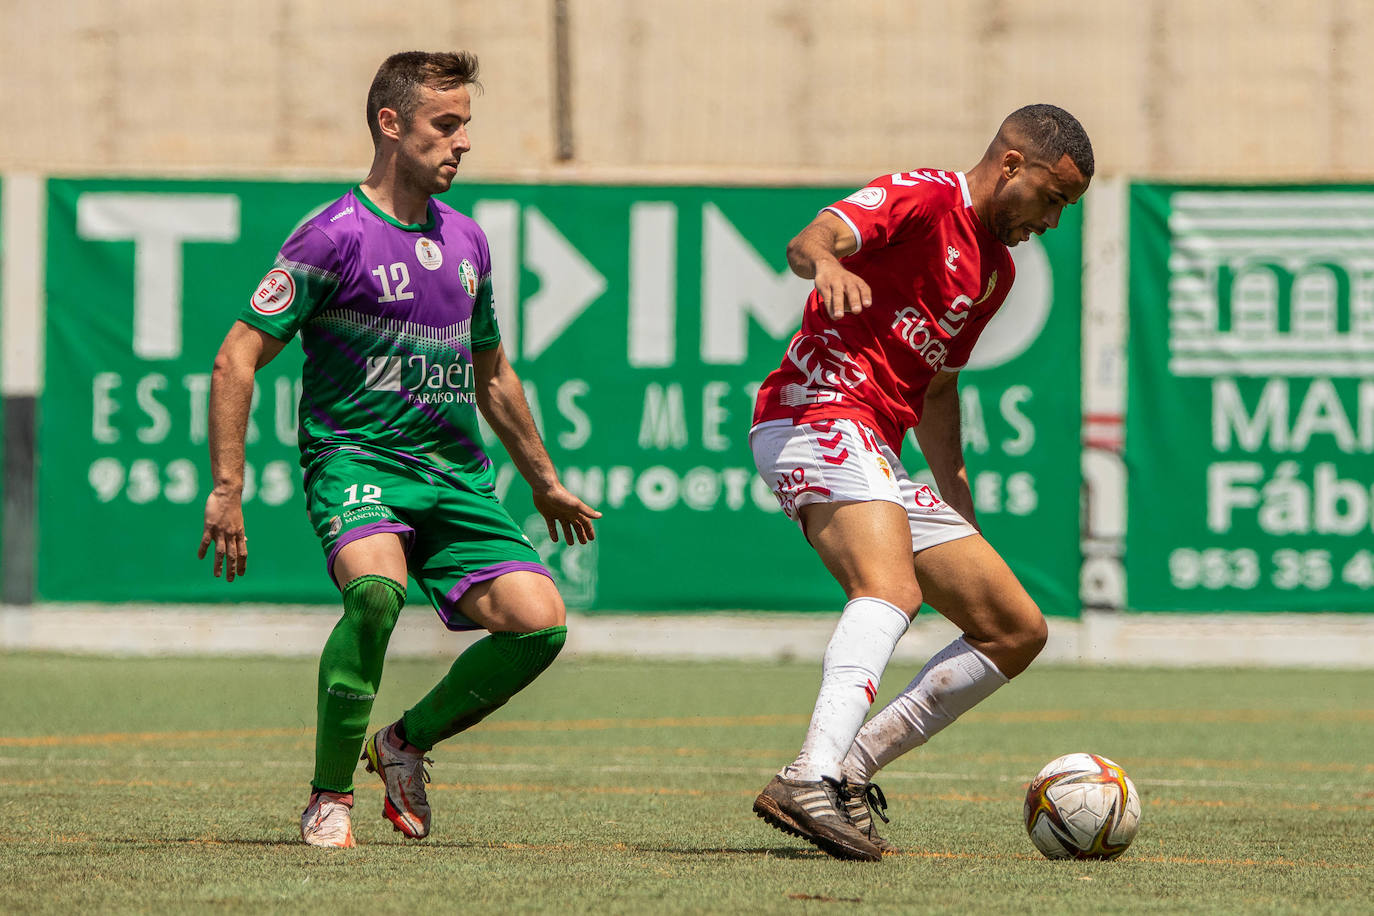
[850, 672]
[955, 680]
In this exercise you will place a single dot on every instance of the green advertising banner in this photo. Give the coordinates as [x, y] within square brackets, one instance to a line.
[1250, 422]
[642, 320]
[4, 261]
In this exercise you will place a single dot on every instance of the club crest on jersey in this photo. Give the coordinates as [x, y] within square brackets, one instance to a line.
[468, 274]
[428, 253]
[868, 198]
[951, 255]
[274, 294]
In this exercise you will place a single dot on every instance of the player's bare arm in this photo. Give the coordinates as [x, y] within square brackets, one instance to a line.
[941, 443]
[501, 398]
[815, 255]
[244, 351]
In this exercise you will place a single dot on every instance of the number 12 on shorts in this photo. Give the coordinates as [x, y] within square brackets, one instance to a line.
[371, 494]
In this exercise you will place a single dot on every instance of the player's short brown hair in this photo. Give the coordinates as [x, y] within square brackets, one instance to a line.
[399, 78]
[1050, 133]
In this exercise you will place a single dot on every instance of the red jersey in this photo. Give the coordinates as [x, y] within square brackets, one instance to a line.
[937, 274]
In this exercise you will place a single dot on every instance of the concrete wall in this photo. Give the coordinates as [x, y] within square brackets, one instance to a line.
[714, 90]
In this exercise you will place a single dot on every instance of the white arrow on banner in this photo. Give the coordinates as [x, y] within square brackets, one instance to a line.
[567, 284]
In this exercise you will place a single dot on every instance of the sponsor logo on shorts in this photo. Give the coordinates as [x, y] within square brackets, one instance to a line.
[335, 525]
[366, 513]
[274, 294]
[792, 485]
[428, 253]
[468, 274]
[883, 466]
[868, 198]
[924, 498]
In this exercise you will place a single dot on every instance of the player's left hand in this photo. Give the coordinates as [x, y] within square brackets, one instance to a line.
[560, 507]
[842, 291]
[224, 529]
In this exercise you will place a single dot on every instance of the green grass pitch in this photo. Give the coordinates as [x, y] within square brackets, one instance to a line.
[624, 786]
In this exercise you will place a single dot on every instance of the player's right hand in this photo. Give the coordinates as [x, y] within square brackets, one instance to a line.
[842, 292]
[560, 506]
[224, 529]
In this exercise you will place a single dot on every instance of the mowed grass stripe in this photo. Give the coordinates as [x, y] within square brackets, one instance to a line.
[1018, 779]
[1173, 717]
[237, 734]
[366, 787]
[519, 725]
[632, 848]
[304, 738]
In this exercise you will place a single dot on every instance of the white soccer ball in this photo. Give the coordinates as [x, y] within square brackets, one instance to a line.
[1082, 806]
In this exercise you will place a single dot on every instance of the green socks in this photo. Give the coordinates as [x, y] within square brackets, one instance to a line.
[483, 678]
[350, 670]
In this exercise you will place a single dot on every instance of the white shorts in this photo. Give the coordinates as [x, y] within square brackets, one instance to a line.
[837, 460]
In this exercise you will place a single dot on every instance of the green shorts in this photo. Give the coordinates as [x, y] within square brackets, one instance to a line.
[456, 534]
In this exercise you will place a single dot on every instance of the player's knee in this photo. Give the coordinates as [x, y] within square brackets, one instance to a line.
[530, 618]
[905, 596]
[532, 652]
[373, 603]
[1023, 642]
[1011, 636]
[908, 600]
[1035, 632]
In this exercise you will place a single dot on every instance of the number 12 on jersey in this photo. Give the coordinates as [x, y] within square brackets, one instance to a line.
[401, 274]
[371, 494]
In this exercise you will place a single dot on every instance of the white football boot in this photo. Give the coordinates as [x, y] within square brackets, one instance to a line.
[327, 820]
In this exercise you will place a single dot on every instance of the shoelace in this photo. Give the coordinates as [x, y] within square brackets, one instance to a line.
[420, 764]
[877, 801]
[414, 765]
[834, 788]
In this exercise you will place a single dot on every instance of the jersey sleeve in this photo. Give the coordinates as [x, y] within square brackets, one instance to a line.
[485, 332]
[894, 207]
[304, 277]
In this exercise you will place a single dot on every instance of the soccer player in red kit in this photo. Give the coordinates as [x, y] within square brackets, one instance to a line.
[908, 272]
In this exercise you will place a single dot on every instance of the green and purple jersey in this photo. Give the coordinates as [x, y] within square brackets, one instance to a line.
[389, 316]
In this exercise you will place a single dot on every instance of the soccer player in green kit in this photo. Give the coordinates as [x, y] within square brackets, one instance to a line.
[391, 294]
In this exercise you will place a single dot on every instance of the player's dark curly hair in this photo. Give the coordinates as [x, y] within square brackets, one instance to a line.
[1051, 133]
[399, 78]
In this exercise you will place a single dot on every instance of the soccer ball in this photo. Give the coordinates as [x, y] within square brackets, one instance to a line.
[1082, 806]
